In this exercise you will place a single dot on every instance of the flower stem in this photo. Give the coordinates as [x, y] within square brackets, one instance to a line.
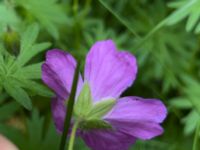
[70, 106]
[72, 136]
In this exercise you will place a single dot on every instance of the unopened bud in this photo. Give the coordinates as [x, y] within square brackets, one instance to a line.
[11, 42]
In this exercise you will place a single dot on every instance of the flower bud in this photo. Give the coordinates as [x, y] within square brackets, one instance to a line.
[11, 42]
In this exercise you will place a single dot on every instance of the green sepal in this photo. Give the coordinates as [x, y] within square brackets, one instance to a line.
[84, 102]
[101, 108]
[90, 114]
[94, 124]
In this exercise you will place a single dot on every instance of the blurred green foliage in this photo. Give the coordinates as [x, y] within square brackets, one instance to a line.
[164, 36]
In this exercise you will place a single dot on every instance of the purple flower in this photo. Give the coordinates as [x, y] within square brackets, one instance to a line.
[108, 73]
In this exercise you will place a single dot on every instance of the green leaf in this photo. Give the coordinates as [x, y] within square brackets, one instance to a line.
[181, 13]
[181, 103]
[84, 102]
[197, 30]
[49, 14]
[18, 94]
[36, 88]
[28, 38]
[33, 86]
[39, 135]
[28, 48]
[51, 139]
[35, 128]
[100, 109]
[191, 121]
[189, 100]
[9, 18]
[186, 9]
[33, 51]
[192, 21]
[32, 71]
[14, 73]
[192, 91]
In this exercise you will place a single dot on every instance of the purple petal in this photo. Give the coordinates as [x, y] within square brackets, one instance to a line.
[138, 109]
[141, 130]
[58, 111]
[108, 71]
[58, 71]
[138, 117]
[107, 140]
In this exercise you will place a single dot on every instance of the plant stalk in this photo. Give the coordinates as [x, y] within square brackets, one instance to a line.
[70, 106]
[73, 135]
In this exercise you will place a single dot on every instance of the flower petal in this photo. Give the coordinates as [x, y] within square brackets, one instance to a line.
[58, 111]
[107, 140]
[138, 109]
[141, 130]
[108, 71]
[58, 71]
[138, 117]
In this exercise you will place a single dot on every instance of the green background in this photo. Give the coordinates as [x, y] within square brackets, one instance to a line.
[162, 34]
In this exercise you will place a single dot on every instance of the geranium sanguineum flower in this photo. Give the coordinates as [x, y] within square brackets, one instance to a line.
[106, 121]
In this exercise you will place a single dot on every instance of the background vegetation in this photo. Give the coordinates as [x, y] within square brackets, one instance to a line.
[164, 35]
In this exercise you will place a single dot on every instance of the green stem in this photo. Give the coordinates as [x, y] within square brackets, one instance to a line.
[154, 30]
[72, 136]
[125, 23]
[70, 106]
[76, 25]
